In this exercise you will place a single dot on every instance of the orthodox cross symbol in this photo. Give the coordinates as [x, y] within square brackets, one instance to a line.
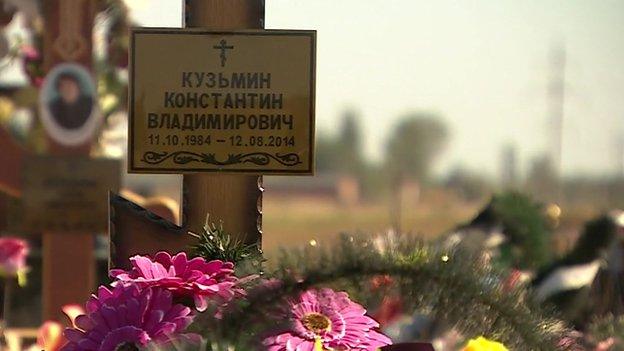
[70, 43]
[223, 47]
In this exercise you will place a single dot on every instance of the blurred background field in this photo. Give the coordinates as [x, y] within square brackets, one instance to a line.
[291, 221]
[302, 220]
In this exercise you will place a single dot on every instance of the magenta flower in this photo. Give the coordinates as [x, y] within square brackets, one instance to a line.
[127, 316]
[327, 320]
[32, 63]
[13, 254]
[194, 278]
[30, 53]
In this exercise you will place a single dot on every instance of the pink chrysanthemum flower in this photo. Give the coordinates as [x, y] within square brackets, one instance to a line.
[196, 278]
[127, 317]
[327, 320]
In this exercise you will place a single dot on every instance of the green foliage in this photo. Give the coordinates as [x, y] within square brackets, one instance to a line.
[523, 220]
[605, 328]
[214, 243]
[455, 289]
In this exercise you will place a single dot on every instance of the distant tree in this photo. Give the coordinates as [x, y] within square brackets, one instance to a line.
[342, 153]
[325, 153]
[350, 159]
[542, 179]
[469, 185]
[414, 144]
[412, 147]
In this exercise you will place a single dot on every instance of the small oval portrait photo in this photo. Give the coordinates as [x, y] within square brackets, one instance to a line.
[68, 104]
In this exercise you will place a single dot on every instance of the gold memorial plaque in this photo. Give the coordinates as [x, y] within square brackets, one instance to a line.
[205, 101]
[68, 194]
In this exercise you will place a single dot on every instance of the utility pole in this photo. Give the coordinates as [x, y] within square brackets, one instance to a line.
[556, 105]
[619, 155]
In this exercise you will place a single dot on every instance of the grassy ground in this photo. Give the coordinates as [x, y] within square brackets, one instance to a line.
[293, 221]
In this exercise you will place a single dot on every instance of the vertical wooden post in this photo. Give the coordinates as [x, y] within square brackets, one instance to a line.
[236, 200]
[68, 258]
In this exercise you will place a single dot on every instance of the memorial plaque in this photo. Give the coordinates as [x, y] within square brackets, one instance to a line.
[67, 193]
[228, 101]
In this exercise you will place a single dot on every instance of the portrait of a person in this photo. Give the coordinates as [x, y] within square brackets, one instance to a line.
[68, 104]
[71, 108]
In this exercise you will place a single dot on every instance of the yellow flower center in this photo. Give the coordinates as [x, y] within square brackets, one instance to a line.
[316, 322]
[483, 344]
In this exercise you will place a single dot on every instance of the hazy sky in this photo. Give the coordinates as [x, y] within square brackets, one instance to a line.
[482, 65]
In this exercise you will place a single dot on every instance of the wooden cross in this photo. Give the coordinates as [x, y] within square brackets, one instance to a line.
[68, 258]
[234, 199]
